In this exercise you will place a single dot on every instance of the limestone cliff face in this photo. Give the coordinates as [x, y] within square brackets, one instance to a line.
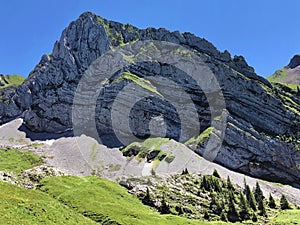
[262, 131]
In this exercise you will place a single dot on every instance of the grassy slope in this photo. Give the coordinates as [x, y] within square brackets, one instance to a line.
[106, 201]
[13, 160]
[11, 80]
[82, 200]
[21, 206]
[279, 77]
[287, 217]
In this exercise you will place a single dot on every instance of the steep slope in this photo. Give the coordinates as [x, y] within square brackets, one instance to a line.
[8, 85]
[289, 74]
[262, 132]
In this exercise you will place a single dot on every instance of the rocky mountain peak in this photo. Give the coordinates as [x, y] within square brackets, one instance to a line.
[289, 74]
[295, 61]
[261, 124]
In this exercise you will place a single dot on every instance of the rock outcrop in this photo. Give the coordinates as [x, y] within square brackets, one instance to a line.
[8, 108]
[289, 74]
[262, 133]
[295, 61]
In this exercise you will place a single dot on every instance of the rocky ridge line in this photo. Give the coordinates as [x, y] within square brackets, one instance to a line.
[263, 124]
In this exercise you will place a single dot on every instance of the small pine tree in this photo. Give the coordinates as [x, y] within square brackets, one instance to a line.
[232, 196]
[164, 207]
[147, 196]
[179, 209]
[206, 183]
[213, 200]
[271, 202]
[185, 171]
[261, 207]
[216, 185]
[215, 205]
[232, 213]
[284, 203]
[250, 197]
[244, 208]
[229, 184]
[216, 174]
[258, 194]
[147, 199]
[206, 215]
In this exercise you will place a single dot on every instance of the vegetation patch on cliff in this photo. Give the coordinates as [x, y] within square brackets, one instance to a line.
[10, 80]
[150, 149]
[142, 82]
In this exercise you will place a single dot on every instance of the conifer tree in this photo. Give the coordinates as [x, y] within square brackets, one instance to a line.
[271, 202]
[216, 174]
[244, 207]
[250, 197]
[213, 200]
[232, 213]
[179, 209]
[261, 207]
[258, 194]
[229, 184]
[185, 171]
[216, 185]
[284, 204]
[215, 205]
[147, 198]
[164, 207]
[206, 183]
[206, 215]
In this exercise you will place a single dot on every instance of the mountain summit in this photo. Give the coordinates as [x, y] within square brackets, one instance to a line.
[295, 62]
[262, 120]
[289, 74]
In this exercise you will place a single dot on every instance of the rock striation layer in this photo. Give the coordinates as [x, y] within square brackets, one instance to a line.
[262, 132]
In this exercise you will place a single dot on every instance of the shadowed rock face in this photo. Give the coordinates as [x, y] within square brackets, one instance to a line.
[263, 120]
[295, 61]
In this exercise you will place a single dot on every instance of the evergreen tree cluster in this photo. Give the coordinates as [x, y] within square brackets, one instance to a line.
[225, 200]
[233, 204]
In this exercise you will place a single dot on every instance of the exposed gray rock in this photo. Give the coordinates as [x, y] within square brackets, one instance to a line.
[8, 108]
[263, 123]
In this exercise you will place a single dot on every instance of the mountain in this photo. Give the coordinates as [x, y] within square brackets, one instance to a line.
[289, 74]
[261, 132]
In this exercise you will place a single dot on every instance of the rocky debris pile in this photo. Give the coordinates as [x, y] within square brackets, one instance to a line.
[262, 124]
[31, 177]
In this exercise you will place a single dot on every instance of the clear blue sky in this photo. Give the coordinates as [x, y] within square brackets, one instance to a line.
[265, 32]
